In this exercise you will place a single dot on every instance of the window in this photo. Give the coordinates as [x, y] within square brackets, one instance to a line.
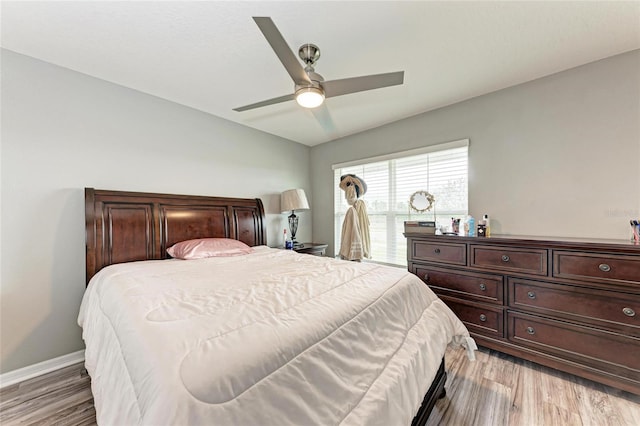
[441, 170]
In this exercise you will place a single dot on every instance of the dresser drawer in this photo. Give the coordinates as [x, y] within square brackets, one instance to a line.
[614, 268]
[482, 319]
[433, 251]
[474, 285]
[586, 345]
[526, 261]
[609, 309]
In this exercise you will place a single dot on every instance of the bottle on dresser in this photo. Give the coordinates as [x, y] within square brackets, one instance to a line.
[487, 226]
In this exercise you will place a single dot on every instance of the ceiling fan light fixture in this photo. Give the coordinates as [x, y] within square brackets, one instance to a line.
[310, 97]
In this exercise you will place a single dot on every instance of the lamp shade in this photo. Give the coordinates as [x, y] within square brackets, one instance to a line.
[293, 199]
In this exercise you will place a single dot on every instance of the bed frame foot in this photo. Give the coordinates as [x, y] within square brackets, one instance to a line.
[436, 391]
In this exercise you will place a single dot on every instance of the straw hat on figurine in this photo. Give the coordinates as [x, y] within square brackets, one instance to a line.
[349, 180]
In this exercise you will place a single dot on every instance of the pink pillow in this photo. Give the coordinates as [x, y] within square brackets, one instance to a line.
[208, 247]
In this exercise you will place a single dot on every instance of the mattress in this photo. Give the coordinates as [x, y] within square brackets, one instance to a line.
[272, 337]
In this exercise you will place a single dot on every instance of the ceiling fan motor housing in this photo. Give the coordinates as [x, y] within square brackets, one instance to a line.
[316, 83]
[314, 76]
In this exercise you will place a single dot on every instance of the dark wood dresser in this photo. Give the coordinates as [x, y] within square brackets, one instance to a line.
[569, 304]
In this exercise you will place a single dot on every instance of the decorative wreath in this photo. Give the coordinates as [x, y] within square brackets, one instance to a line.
[429, 197]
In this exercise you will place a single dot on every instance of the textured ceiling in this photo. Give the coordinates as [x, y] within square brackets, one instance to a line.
[211, 55]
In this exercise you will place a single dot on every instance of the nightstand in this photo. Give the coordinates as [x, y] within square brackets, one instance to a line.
[315, 249]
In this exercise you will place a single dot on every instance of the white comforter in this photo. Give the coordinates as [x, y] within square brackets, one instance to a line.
[270, 338]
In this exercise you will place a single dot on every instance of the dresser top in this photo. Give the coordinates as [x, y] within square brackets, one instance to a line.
[534, 240]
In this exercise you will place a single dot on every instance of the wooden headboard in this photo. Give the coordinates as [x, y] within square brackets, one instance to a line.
[127, 226]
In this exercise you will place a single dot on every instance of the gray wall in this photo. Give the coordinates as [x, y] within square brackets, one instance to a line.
[558, 156]
[62, 131]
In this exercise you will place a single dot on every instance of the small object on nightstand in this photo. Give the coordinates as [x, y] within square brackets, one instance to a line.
[315, 249]
[288, 243]
[482, 230]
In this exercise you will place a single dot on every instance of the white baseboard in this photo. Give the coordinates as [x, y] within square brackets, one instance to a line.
[16, 376]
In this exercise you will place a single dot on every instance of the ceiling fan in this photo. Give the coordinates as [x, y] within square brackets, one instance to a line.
[310, 89]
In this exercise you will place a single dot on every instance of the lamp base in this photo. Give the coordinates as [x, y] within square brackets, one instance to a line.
[293, 228]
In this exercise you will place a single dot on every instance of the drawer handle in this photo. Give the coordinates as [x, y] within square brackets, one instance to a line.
[629, 312]
[505, 258]
[426, 277]
[531, 295]
[483, 317]
[531, 331]
[604, 267]
[437, 251]
[483, 287]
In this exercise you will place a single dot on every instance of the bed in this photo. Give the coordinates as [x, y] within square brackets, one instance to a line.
[267, 337]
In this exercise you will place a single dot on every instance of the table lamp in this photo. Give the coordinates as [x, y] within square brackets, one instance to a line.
[292, 200]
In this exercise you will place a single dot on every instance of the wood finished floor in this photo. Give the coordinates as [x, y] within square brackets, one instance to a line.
[498, 389]
[494, 390]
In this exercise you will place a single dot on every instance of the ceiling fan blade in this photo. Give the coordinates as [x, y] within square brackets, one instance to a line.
[359, 84]
[267, 102]
[282, 49]
[323, 116]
